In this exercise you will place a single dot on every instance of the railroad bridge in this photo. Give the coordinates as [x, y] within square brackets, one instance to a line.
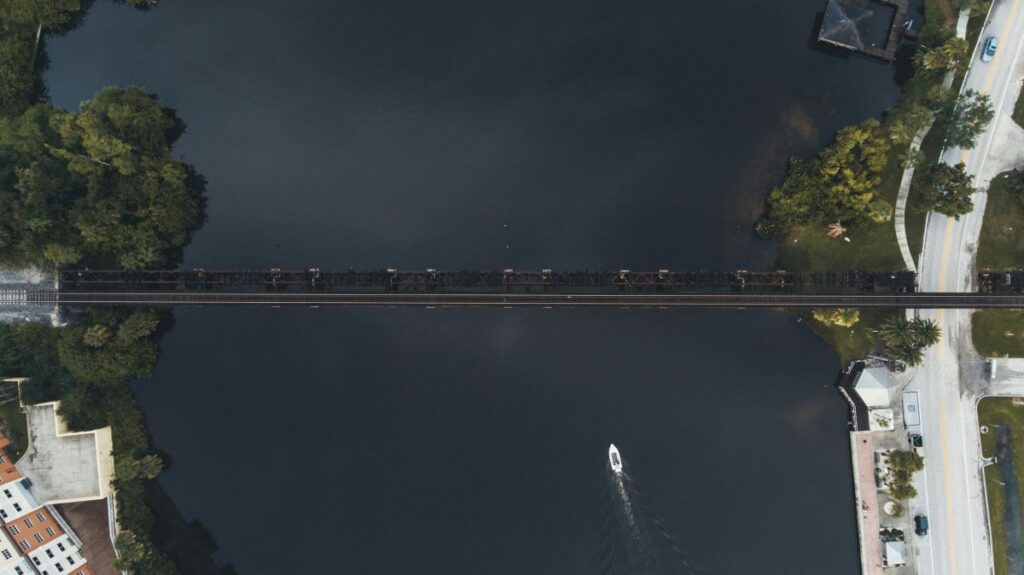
[512, 288]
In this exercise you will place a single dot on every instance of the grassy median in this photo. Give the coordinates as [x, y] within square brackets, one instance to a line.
[993, 412]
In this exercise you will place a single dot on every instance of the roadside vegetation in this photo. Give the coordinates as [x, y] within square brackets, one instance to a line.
[903, 464]
[907, 339]
[853, 341]
[834, 211]
[999, 332]
[95, 187]
[1007, 414]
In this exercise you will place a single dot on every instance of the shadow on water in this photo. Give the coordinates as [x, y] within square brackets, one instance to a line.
[1014, 531]
[637, 540]
[823, 47]
[188, 544]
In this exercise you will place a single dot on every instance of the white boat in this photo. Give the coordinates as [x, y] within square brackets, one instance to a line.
[614, 459]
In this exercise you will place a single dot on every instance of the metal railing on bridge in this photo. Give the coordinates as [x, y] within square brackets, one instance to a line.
[316, 280]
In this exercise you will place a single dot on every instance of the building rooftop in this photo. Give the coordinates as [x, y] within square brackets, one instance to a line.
[857, 24]
[895, 553]
[65, 466]
[875, 386]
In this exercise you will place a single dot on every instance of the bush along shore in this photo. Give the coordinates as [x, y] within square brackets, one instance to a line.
[99, 186]
[835, 211]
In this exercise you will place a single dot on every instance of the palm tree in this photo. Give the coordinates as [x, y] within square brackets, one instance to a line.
[926, 331]
[894, 330]
[908, 353]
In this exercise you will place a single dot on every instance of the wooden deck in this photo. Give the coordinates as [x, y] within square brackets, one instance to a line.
[88, 519]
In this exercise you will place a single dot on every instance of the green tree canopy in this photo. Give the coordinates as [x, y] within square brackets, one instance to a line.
[100, 185]
[906, 339]
[94, 356]
[963, 119]
[942, 57]
[946, 189]
[838, 185]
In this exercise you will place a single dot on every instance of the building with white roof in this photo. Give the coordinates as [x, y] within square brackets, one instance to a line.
[16, 500]
[875, 386]
[895, 553]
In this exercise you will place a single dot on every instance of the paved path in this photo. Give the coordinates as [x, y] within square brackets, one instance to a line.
[900, 215]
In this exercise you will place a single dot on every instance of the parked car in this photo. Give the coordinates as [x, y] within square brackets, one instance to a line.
[921, 525]
[918, 442]
[989, 50]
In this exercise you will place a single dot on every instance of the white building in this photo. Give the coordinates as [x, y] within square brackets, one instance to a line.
[11, 560]
[16, 500]
[58, 556]
[875, 386]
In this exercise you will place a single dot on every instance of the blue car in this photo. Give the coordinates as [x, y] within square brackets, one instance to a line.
[989, 51]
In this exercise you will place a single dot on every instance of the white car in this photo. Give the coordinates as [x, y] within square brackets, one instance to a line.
[989, 50]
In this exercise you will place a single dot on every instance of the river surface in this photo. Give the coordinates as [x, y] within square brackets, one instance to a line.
[487, 134]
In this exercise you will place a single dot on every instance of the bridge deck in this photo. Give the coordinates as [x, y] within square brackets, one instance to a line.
[624, 300]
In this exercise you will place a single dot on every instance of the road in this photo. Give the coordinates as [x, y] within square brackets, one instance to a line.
[950, 488]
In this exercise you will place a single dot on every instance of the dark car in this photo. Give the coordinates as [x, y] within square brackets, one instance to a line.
[921, 525]
[918, 443]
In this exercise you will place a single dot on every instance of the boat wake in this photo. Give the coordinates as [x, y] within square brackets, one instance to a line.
[641, 544]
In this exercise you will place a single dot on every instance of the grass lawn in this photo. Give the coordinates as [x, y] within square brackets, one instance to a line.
[17, 426]
[872, 247]
[1001, 245]
[851, 343]
[1018, 109]
[998, 332]
[1000, 411]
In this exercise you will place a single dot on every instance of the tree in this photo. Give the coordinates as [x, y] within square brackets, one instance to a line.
[879, 211]
[92, 356]
[906, 339]
[840, 316]
[837, 186]
[963, 119]
[96, 336]
[99, 187]
[898, 509]
[45, 13]
[946, 189]
[147, 467]
[902, 492]
[943, 57]
[902, 466]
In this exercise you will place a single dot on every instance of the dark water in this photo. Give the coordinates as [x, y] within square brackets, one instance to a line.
[490, 134]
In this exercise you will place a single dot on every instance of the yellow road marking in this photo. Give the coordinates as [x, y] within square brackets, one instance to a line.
[965, 154]
[990, 77]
